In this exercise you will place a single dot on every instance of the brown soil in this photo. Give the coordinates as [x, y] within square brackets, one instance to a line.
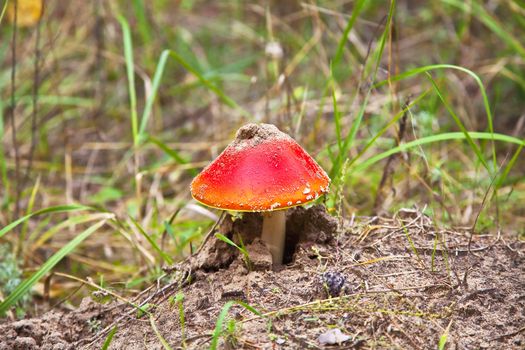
[251, 135]
[365, 280]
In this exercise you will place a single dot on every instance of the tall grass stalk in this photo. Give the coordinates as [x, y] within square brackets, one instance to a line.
[50, 210]
[26, 285]
[130, 72]
[30, 205]
[460, 125]
[349, 139]
[437, 138]
[477, 79]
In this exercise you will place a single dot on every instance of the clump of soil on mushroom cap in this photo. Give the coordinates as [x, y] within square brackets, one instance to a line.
[251, 135]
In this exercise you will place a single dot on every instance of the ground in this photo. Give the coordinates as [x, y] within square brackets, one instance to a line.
[387, 283]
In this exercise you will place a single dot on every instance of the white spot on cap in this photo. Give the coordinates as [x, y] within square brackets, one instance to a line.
[306, 190]
[309, 197]
[289, 203]
[275, 205]
[298, 202]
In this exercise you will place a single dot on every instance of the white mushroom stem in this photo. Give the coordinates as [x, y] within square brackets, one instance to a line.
[274, 233]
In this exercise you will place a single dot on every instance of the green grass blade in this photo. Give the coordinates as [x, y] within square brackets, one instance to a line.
[170, 152]
[26, 285]
[241, 248]
[394, 120]
[212, 87]
[219, 324]
[444, 337]
[482, 15]
[3, 166]
[75, 220]
[349, 139]
[509, 166]
[460, 125]
[154, 244]
[436, 138]
[477, 79]
[227, 241]
[341, 46]
[109, 338]
[442, 341]
[128, 56]
[142, 21]
[50, 210]
[163, 341]
[30, 205]
[53, 100]
[337, 122]
[3, 13]
[157, 77]
[433, 256]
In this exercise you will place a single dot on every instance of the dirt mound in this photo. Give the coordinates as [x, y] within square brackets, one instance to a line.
[383, 283]
[54, 330]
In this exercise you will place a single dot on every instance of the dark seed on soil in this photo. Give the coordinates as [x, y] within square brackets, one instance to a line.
[333, 283]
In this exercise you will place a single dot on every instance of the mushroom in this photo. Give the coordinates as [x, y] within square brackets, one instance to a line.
[262, 170]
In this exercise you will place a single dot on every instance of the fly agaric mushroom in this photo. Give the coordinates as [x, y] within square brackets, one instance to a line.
[262, 170]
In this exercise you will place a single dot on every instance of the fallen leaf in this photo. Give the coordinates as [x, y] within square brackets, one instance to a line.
[28, 12]
[333, 336]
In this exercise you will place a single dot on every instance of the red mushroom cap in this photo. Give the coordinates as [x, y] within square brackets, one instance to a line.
[262, 169]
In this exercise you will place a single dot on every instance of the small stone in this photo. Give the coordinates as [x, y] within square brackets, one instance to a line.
[333, 282]
[280, 341]
[333, 336]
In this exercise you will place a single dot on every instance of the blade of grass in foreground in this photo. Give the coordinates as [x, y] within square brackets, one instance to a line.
[219, 325]
[26, 285]
[437, 138]
[50, 210]
[109, 338]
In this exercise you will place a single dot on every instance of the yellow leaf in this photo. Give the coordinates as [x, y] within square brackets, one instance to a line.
[28, 12]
